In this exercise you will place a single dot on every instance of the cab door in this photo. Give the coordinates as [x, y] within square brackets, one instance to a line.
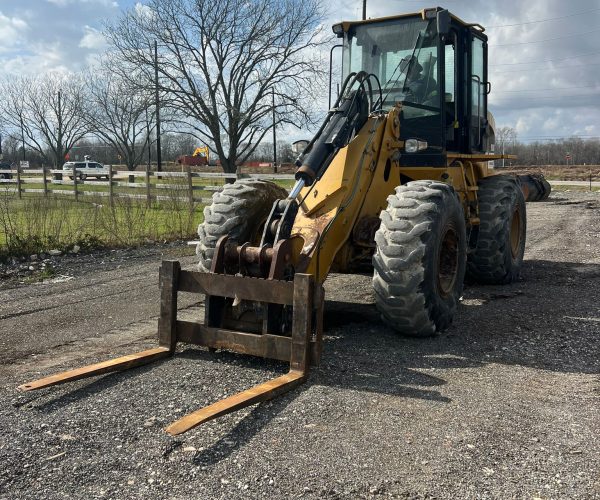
[478, 88]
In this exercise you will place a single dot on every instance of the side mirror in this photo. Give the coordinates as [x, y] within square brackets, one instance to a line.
[443, 22]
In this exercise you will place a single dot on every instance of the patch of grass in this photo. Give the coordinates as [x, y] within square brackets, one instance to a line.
[575, 188]
[45, 274]
[36, 224]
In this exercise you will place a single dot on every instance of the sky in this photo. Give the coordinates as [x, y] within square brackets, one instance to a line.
[544, 57]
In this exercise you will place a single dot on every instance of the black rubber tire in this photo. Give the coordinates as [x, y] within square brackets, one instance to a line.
[547, 189]
[495, 260]
[82, 177]
[239, 210]
[423, 221]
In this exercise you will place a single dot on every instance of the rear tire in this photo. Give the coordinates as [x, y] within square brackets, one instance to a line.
[420, 261]
[498, 256]
[238, 211]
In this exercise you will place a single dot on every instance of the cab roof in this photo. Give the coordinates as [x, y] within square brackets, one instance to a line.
[423, 14]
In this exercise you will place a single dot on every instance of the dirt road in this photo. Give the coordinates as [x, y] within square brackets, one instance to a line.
[504, 404]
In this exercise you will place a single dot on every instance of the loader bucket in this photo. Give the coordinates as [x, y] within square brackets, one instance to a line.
[301, 348]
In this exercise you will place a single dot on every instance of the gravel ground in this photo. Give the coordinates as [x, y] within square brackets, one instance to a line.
[504, 404]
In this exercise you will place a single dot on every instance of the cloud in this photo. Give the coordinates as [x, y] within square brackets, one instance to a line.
[66, 34]
[13, 31]
[64, 3]
[92, 39]
[54, 34]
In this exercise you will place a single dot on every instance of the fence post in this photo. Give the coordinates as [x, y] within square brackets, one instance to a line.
[45, 181]
[190, 187]
[75, 183]
[148, 197]
[110, 185]
[19, 181]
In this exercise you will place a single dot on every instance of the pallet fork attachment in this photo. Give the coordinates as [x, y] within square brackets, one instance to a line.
[301, 349]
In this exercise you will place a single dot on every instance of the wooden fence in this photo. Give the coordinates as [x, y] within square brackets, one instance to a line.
[176, 185]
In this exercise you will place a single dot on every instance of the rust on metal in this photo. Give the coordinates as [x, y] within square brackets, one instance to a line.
[299, 363]
[245, 288]
[169, 279]
[302, 348]
[256, 394]
[302, 322]
[112, 365]
[265, 345]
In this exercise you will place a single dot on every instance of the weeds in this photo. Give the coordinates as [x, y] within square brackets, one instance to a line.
[37, 224]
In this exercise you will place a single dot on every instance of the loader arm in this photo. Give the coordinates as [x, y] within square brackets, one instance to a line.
[329, 209]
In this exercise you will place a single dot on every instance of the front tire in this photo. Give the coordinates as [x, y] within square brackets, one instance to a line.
[238, 211]
[420, 261]
[498, 256]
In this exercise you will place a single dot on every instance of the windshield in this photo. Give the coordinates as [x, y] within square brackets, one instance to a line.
[402, 53]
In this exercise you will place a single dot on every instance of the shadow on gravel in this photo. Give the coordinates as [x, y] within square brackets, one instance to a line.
[90, 389]
[549, 320]
[247, 428]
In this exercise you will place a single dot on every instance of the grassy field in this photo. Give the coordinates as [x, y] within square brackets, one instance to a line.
[35, 224]
[559, 172]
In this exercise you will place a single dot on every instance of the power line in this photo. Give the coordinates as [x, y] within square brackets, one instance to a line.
[546, 39]
[547, 60]
[543, 20]
[536, 98]
[554, 136]
[501, 72]
[555, 88]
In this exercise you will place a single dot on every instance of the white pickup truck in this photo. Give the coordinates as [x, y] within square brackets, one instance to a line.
[85, 169]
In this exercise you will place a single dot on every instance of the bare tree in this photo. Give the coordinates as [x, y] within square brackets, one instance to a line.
[506, 136]
[121, 115]
[222, 62]
[50, 110]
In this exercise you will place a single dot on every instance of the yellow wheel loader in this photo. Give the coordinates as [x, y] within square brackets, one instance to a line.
[395, 182]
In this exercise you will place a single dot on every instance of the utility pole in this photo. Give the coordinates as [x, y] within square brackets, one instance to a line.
[364, 16]
[157, 105]
[1, 147]
[148, 139]
[22, 137]
[60, 132]
[274, 133]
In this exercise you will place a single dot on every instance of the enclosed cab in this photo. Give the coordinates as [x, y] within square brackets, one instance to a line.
[435, 64]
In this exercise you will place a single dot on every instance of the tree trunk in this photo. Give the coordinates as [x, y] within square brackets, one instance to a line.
[229, 167]
[131, 168]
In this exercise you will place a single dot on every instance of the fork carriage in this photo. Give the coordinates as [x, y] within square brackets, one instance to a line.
[302, 348]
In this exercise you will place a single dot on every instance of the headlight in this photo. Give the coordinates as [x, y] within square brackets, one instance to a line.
[414, 145]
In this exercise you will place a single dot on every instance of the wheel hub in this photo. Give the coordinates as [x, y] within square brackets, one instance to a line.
[448, 261]
[515, 233]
